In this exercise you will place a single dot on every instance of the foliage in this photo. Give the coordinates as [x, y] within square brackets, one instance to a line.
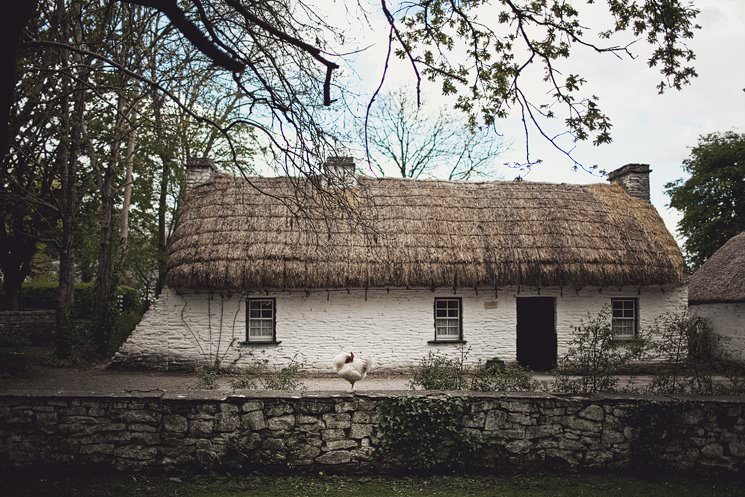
[43, 295]
[713, 198]
[498, 377]
[287, 378]
[123, 325]
[254, 375]
[690, 347]
[437, 371]
[258, 375]
[82, 347]
[207, 377]
[594, 357]
[483, 60]
[426, 434]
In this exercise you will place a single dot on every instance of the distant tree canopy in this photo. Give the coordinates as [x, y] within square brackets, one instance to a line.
[713, 198]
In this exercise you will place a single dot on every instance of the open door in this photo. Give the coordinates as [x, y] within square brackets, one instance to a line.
[536, 332]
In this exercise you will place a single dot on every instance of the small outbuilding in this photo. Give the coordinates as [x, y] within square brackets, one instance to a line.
[273, 269]
[717, 293]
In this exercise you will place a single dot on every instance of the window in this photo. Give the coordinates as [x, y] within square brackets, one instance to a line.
[261, 320]
[624, 320]
[448, 319]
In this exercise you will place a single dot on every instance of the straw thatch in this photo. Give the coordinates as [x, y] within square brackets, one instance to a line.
[722, 278]
[425, 234]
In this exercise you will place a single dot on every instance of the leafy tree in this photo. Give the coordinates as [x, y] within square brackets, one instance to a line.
[400, 134]
[713, 198]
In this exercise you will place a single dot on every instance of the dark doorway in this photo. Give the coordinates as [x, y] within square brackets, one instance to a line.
[536, 332]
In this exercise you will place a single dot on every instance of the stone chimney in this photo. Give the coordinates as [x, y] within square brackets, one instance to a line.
[340, 171]
[198, 171]
[634, 178]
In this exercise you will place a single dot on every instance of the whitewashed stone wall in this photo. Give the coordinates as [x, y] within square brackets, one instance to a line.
[392, 327]
[728, 320]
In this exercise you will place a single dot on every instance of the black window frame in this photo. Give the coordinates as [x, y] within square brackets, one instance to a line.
[635, 318]
[273, 340]
[438, 338]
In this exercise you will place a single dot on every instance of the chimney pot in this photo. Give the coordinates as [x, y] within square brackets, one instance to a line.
[634, 178]
[199, 171]
[340, 171]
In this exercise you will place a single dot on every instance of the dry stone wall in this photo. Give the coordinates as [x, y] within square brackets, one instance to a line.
[26, 326]
[341, 432]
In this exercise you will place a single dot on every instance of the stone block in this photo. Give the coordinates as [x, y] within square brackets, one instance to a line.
[279, 409]
[333, 434]
[336, 457]
[227, 421]
[253, 421]
[175, 423]
[201, 427]
[593, 413]
[252, 405]
[495, 420]
[360, 431]
[282, 423]
[337, 420]
[712, 450]
[340, 444]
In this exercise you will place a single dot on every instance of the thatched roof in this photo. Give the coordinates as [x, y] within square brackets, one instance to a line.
[722, 277]
[426, 234]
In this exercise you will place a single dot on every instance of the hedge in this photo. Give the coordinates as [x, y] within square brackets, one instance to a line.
[43, 295]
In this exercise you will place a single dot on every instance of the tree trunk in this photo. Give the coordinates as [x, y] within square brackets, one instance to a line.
[104, 292]
[124, 227]
[18, 250]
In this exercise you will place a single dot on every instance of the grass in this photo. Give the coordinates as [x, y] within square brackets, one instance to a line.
[329, 486]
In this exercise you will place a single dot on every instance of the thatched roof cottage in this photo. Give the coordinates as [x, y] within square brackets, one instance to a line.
[401, 267]
[717, 292]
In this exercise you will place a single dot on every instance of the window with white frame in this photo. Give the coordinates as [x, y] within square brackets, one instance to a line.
[261, 320]
[624, 317]
[448, 319]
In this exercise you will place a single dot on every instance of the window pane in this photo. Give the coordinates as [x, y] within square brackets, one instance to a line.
[441, 313]
[440, 304]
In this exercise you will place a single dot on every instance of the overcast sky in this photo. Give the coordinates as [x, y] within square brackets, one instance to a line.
[647, 127]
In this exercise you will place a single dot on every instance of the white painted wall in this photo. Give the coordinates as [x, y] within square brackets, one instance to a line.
[392, 327]
[728, 321]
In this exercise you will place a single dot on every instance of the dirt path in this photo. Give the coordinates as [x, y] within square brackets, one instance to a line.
[99, 379]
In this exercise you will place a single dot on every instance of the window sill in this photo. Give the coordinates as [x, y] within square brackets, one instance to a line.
[446, 342]
[259, 344]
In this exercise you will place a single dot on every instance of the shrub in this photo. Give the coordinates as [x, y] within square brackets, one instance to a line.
[426, 434]
[287, 378]
[43, 295]
[690, 347]
[498, 377]
[595, 357]
[122, 327]
[439, 372]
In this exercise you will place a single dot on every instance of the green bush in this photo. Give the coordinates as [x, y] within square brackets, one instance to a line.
[426, 434]
[595, 357]
[122, 327]
[495, 376]
[287, 378]
[43, 295]
[439, 372]
[692, 350]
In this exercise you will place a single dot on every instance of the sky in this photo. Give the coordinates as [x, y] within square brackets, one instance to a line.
[647, 127]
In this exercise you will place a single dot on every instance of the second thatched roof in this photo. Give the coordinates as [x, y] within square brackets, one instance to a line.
[722, 278]
[231, 236]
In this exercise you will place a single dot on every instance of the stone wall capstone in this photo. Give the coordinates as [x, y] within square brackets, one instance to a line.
[341, 432]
